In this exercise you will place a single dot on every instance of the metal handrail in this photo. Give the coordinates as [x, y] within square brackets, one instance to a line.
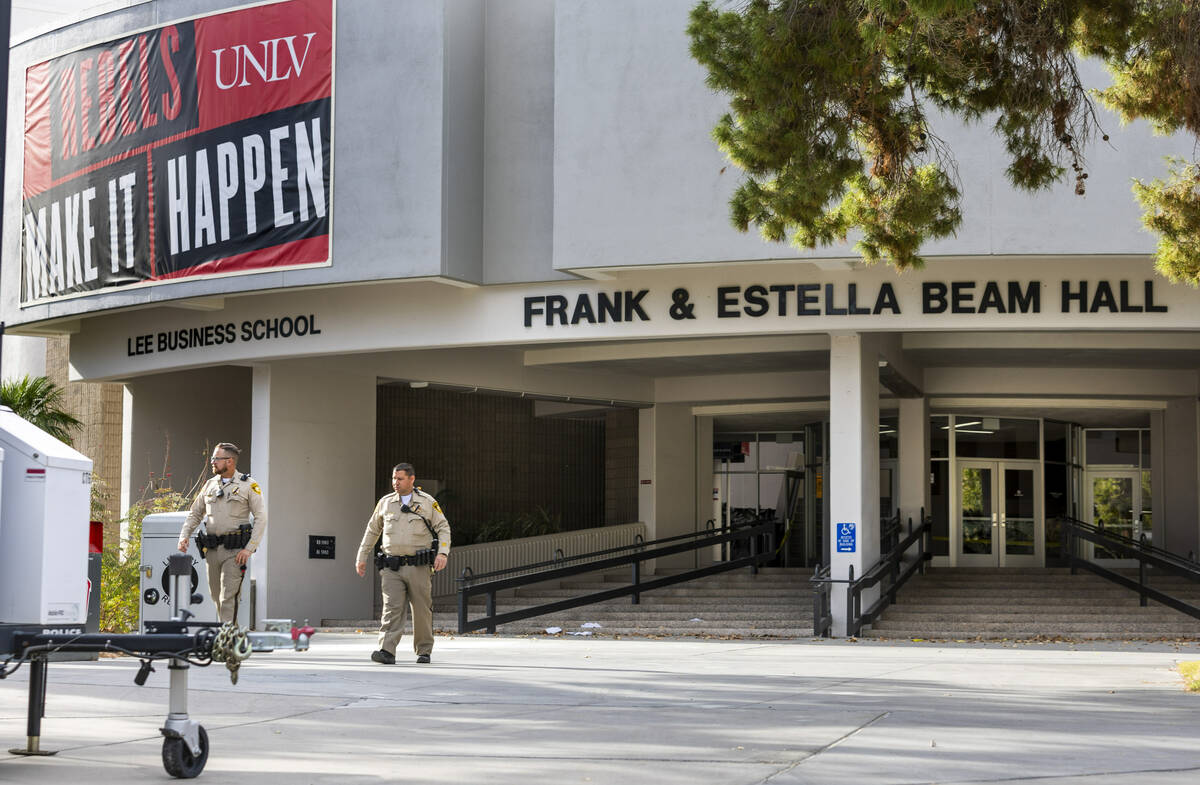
[474, 585]
[888, 566]
[889, 533]
[638, 544]
[1075, 530]
[822, 610]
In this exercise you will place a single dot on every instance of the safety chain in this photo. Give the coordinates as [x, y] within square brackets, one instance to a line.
[231, 646]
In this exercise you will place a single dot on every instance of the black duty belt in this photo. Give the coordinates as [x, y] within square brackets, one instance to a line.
[234, 541]
[422, 557]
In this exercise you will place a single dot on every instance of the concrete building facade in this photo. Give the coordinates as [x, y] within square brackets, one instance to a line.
[525, 202]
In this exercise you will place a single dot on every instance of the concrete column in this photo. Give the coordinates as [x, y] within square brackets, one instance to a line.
[23, 355]
[1158, 484]
[126, 489]
[914, 459]
[314, 456]
[704, 483]
[1179, 532]
[853, 484]
[260, 440]
[667, 454]
[646, 418]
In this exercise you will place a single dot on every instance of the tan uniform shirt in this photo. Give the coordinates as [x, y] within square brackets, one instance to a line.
[226, 512]
[404, 533]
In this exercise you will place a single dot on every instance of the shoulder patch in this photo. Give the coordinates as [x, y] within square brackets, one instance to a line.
[254, 487]
[437, 506]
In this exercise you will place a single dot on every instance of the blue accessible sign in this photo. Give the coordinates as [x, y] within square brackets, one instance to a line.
[847, 537]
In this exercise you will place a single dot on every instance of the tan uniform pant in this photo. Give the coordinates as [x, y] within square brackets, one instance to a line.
[408, 585]
[224, 581]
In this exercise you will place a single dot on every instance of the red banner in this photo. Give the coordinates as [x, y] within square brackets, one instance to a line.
[198, 148]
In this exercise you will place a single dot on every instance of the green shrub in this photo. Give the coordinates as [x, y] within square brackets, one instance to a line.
[120, 563]
[527, 524]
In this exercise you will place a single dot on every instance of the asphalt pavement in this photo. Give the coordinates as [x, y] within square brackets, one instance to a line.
[623, 712]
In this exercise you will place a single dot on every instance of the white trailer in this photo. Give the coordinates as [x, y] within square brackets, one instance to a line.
[45, 506]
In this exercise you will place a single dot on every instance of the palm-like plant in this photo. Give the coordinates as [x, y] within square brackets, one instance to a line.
[40, 401]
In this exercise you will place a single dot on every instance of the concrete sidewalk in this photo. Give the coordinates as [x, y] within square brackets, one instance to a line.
[595, 710]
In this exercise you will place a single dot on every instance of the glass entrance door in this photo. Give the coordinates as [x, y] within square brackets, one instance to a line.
[999, 515]
[1116, 505]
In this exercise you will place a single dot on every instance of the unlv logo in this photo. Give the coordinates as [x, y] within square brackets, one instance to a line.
[245, 65]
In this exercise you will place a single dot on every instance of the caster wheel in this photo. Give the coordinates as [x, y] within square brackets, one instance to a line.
[178, 759]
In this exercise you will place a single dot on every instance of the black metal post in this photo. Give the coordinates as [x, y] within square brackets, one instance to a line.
[464, 603]
[851, 615]
[1069, 546]
[818, 616]
[37, 708]
[490, 610]
[462, 612]
[754, 554]
[637, 579]
[1142, 571]
[926, 549]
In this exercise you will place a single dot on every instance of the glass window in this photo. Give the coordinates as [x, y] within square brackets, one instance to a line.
[780, 451]
[737, 448]
[742, 499]
[939, 436]
[1146, 449]
[1056, 478]
[996, 437]
[1055, 435]
[887, 502]
[889, 439]
[939, 498]
[772, 496]
[1113, 447]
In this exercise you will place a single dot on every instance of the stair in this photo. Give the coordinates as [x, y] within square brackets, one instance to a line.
[1017, 604]
[777, 603]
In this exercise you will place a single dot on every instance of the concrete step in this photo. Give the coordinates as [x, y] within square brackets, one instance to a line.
[741, 576]
[790, 629]
[906, 597]
[1063, 582]
[775, 603]
[1011, 629]
[997, 598]
[1049, 580]
[1156, 621]
[661, 622]
[689, 611]
[679, 612]
[989, 603]
[799, 631]
[1019, 635]
[666, 595]
[1032, 611]
[966, 604]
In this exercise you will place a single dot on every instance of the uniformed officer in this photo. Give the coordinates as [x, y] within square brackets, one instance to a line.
[226, 501]
[410, 521]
